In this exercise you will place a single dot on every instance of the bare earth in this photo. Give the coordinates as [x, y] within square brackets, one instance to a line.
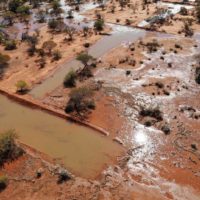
[157, 165]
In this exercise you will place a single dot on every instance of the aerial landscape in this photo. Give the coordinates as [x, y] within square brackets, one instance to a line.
[99, 99]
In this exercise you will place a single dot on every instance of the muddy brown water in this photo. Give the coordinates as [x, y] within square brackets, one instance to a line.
[120, 34]
[82, 150]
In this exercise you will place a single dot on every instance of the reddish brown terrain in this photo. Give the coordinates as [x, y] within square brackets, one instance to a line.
[146, 100]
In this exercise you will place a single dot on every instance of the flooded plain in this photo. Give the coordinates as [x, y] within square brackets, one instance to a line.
[119, 35]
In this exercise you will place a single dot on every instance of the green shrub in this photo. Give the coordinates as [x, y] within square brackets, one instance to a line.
[57, 55]
[53, 24]
[197, 75]
[99, 24]
[84, 58]
[152, 46]
[86, 72]
[8, 148]
[14, 4]
[63, 176]
[152, 112]
[70, 79]
[10, 45]
[183, 11]
[4, 60]
[80, 100]
[48, 46]
[22, 86]
[31, 50]
[3, 182]
[23, 10]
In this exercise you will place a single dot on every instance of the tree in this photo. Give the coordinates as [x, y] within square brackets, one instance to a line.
[99, 24]
[85, 30]
[70, 32]
[70, 79]
[35, 3]
[24, 10]
[21, 86]
[56, 7]
[9, 150]
[152, 46]
[3, 182]
[10, 45]
[57, 55]
[42, 62]
[31, 50]
[84, 58]
[14, 4]
[32, 40]
[49, 45]
[52, 24]
[187, 29]
[183, 11]
[197, 75]
[197, 70]
[41, 16]
[4, 60]
[80, 100]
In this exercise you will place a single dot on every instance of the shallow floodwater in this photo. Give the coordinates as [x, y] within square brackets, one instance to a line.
[82, 150]
[120, 34]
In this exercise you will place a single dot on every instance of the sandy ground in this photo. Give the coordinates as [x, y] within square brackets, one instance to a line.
[24, 67]
[135, 16]
[175, 25]
[134, 12]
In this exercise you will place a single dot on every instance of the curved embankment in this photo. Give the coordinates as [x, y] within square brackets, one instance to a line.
[37, 105]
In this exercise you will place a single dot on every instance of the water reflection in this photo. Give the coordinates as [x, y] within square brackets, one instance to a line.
[144, 141]
[141, 137]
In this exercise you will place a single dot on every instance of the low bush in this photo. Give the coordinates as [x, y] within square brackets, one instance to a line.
[99, 24]
[166, 129]
[22, 87]
[63, 176]
[10, 45]
[9, 150]
[4, 59]
[159, 85]
[152, 112]
[3, 182]
[152, 46]
[70, 79]
[183, 11]
[197, 75]
[57, 55]
[80, 100]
